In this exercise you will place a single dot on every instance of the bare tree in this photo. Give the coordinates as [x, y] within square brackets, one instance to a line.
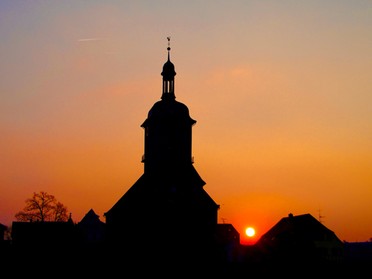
[42, 207]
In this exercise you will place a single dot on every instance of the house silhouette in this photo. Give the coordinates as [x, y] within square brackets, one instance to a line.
[300, 239]
[91, 230]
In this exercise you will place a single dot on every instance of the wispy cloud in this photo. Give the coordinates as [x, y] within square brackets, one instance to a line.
[90, 39]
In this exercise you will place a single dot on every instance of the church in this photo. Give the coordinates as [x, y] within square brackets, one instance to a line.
[168, 199]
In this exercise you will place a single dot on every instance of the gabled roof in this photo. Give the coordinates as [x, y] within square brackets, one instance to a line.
[304, 227]
[90, 218]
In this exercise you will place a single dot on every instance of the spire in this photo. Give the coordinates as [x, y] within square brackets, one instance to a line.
[168, 48]
[168, 74]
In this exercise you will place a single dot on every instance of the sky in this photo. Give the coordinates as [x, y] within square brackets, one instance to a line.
[281, 92]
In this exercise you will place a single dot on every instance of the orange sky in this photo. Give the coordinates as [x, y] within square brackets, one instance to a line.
[280, 90]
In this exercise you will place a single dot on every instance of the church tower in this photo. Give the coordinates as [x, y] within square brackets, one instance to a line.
[167, 129]
[169, 198]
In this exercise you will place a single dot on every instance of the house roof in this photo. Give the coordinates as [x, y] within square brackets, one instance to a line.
[303, 226]
[90, 218]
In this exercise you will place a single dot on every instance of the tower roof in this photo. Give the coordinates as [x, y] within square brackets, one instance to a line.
[168, 72]
[175, 111]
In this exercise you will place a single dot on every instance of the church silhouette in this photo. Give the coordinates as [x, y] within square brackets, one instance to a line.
[166, 218]
[168, 200]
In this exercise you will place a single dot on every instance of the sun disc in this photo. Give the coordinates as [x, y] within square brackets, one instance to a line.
[250, 232]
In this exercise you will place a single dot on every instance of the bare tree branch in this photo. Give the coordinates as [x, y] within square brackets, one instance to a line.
[42, 207]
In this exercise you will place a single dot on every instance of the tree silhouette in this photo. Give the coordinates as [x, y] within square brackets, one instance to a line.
[42, 207]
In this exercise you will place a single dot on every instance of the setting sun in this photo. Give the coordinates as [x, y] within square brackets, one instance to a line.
[250, 232]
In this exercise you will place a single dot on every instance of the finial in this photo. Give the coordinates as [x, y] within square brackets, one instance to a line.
[168, 48]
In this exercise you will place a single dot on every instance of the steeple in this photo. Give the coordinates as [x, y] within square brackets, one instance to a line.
[168, 74]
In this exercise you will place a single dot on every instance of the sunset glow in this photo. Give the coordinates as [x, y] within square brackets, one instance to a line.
[280, 90]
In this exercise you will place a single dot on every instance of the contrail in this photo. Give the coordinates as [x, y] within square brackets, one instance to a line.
[90, 39]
